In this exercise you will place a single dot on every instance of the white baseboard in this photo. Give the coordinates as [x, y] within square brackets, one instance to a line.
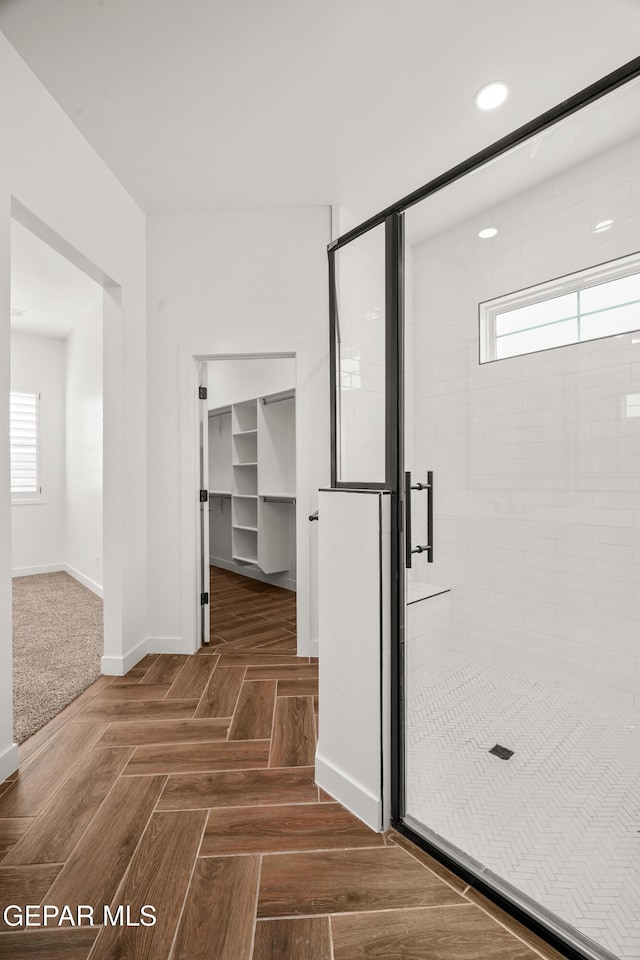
[59, 568]
[42, 568]
[314, 648]
[118, 666]
[254, 572]
[165, 645]
[8, 761]
[352, 795]
[85, 581]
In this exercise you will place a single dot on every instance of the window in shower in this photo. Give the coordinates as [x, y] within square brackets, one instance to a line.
[602, 301]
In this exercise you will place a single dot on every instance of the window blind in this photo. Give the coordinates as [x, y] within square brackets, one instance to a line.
[23, 433]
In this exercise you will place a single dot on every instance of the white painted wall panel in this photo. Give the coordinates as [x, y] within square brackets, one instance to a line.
[232, 381]
[354, 643]
[84, 461]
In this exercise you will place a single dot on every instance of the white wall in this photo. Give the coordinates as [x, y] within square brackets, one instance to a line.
[352, 759]
[83, 460]
[57, 184]
[37, 529]
[232, 381]
[537, 526]
[250, 281]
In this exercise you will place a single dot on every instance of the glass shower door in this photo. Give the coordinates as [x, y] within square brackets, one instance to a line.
[521, 667]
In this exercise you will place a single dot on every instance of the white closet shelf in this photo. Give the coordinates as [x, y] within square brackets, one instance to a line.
[252, 469]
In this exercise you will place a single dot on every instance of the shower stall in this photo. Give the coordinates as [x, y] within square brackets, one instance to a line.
[486, 372]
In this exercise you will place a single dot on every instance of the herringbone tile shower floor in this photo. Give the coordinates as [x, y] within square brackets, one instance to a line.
[560, 820]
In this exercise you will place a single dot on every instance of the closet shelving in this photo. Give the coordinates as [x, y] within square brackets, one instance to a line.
[252, 475]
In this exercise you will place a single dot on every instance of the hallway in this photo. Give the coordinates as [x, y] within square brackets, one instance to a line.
[189, 785]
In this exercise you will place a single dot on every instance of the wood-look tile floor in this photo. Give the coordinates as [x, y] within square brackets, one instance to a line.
[189, 785]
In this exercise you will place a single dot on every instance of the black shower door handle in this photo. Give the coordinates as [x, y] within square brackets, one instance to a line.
[427, 547]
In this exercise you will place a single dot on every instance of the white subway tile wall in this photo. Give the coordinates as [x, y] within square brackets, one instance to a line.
[428, 632]
[537, 457]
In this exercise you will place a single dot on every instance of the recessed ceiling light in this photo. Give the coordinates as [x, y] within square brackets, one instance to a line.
[603, 225]
[487, 233]
[492, 95]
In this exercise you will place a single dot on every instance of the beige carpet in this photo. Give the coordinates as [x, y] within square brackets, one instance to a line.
[57, 646]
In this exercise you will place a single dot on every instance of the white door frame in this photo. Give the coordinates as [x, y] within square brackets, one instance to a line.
[204, 580]
[189, 360]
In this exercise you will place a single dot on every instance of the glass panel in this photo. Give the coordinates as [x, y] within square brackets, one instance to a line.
[557, 308]
[522, 659]
[624, 290]
[360, 359]
[537, 338]
[608, 323]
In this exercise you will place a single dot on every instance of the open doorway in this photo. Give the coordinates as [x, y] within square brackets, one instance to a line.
[248, 475]
[56, 440]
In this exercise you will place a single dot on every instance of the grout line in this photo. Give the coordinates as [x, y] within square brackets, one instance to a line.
[295, 852]
[99, 928]
[255, 908]
[273, 721]
[283, 803]
[25, 866]
[187, 891]
[253, 806]
[104, 799]
[65, 774]
[44, 898]
[306, 766]
[44, 809]
[190, 773]
[131, 859]
[208, 683]
[428, 869]
[176, 743]
[162, 789]
[352, 913]
[501, 923]
[298, 696]
[331, 950]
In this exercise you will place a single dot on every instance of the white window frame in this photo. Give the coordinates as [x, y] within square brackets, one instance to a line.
[17, 497]
[571, 283]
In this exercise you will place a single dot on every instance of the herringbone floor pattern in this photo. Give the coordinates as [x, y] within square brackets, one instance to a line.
[188, 785]
[560, 820]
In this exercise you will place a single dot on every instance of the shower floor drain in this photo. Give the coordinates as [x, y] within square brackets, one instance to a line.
[503, 752]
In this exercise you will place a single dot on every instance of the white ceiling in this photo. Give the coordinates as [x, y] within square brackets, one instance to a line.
[610, 120]
[211, 104]
[53, 294]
